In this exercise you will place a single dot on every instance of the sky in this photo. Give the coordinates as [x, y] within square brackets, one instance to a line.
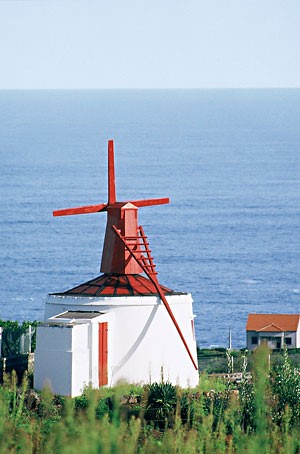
[70, 44]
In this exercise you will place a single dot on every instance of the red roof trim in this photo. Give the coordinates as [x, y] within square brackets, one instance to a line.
[272, 326]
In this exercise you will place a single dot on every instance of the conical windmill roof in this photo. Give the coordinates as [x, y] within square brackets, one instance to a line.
[116, 285]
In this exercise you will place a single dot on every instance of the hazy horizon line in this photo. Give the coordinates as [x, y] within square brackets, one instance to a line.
[142, 88]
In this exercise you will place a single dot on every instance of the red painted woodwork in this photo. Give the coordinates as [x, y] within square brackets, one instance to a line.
[103, 353]
[112, 198]
[193, 329]
[115, 257]
[148, 202]
[81, 210]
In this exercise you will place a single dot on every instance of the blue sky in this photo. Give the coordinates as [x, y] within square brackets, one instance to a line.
[149, 44]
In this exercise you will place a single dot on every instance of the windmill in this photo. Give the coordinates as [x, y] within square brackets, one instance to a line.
[126, 249]
[123, 324]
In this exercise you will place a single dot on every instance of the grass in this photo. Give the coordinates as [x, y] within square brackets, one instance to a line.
[216, 417]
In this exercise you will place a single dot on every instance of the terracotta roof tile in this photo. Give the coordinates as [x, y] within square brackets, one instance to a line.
[272, 322]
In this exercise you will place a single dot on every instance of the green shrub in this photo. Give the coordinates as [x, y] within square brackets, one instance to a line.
[285, 385]
[259, 416]
[161, 404]
[11, 335]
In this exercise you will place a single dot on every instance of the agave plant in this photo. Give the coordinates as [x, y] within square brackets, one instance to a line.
[161, 404]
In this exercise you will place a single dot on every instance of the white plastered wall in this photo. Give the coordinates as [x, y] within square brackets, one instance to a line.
[148, 346]
[61, 359]
[143, 343]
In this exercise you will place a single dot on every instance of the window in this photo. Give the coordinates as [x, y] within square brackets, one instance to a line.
[288, 340]
[193, 329]
[278, 343]
[254, 340]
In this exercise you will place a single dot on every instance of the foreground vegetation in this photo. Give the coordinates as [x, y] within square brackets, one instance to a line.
[261, 416]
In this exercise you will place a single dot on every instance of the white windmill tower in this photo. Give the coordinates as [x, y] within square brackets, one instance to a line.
[123, 325]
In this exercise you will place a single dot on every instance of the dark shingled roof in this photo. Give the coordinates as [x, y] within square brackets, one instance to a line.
[74, 315]
[116, 285]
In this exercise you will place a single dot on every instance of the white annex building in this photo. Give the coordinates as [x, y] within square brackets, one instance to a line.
[122, 326]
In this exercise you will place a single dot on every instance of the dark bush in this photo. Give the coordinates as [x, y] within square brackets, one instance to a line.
[161, 404]
[11, 335]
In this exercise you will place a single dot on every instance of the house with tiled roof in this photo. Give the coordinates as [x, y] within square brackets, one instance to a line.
[273, 329]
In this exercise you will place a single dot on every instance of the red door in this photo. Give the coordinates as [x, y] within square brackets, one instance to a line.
[102, 349]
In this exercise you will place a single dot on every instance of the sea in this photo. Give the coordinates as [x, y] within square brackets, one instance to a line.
[228, 159]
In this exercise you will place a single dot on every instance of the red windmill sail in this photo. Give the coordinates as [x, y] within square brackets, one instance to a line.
[125, 249]
[115, 257]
